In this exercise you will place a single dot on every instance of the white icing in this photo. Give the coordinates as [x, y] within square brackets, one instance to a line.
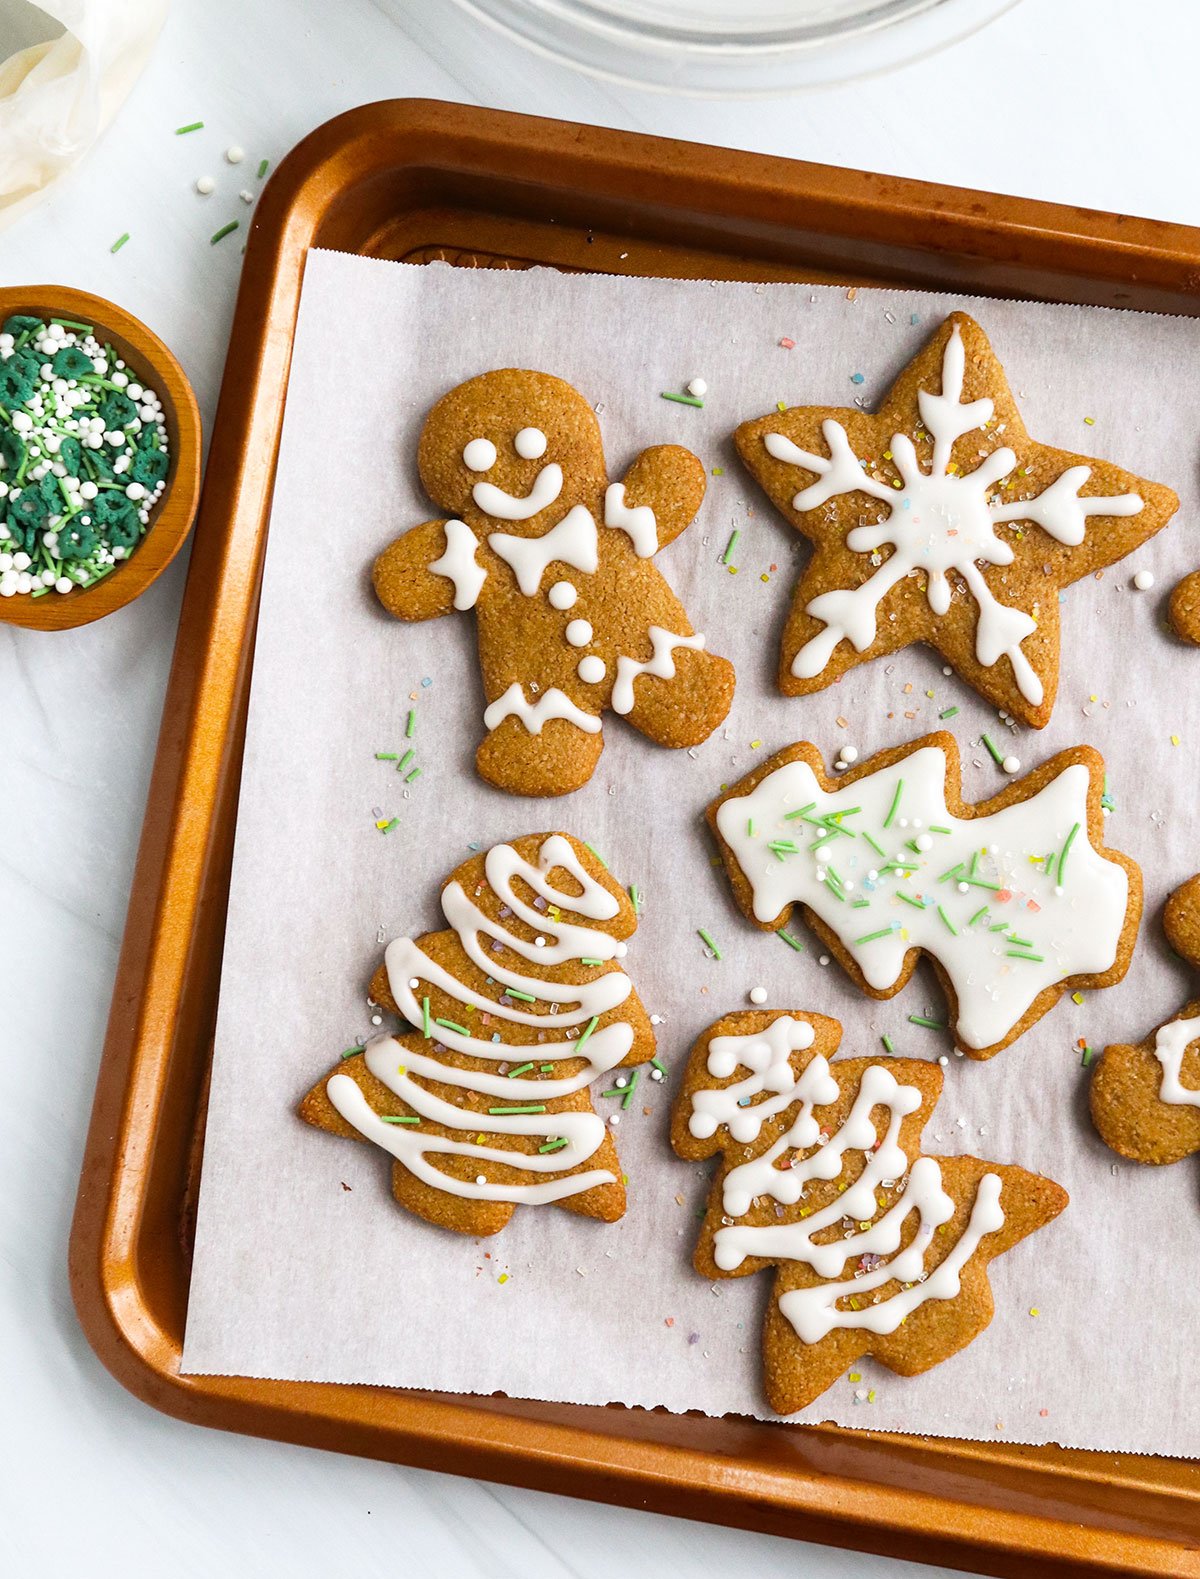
[937, 522]
[402, 1069]
[591, 670]
[572, 542]
[813, 1312]
[1071, 913]
[767, 1055]
[661, 663]
[458, 564]
[480, 455]
[1170, 1044]
[562, 595]
[637, 522]
[530, 444]
[507, 507]
[579, 633]
[551, 704]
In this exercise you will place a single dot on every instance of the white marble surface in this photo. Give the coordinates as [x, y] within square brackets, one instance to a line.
[1060, 99]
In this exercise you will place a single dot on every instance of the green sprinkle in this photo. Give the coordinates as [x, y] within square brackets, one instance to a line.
[522, 997]
[385, 756]
[917, 904]
[630, 1088]
[411, 724]
[425, 1010]
[936, 828]
[404, 761]
[635, 899]
[263, 166]
[192, 126]
[921, 1019]
[875, 845]
[71, 323]
[596, 853]
[974, 864]
[591, 1026]
[982, 911]
[884, 932]
[399, 1118]
[790, 816]
[521, 1069]
[792, 942]
[659, 1065]
[225, 230]
[1020, 942]
[591, 962]
[941, 912]
[1088, 1055]
[351, 1051]
[999, 926]
[613, 1091]
[887, 821]
[949, 712]
[527, 1107]
[996, 755]
[706, 938]
[1066, 850]
[861, 904]
[547, 1069]
[979, 882]
[683, 400]
[730, 546]
[888, 1045]
[415, 774]
[119, 242]
[900, 866]
[552, 1145]
[388, 826]
[1038, 959]
[749, 827]
[453, 1025]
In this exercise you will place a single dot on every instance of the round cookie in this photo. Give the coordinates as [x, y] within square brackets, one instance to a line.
[1183, 610]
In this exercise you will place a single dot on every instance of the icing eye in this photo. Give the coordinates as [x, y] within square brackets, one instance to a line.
[530, 444]
[480, 455]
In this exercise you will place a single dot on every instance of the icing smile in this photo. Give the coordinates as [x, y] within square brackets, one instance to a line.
[508, 507]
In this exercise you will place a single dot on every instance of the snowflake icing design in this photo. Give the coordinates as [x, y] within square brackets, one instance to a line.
[937, 521]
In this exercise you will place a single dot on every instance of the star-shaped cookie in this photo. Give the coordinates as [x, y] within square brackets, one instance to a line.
[938, 519]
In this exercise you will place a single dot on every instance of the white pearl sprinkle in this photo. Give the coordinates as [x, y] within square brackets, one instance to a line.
[1011, 764]
[205, 184]
[1144, 580]
[697, 388]
[234, 154]
[758, 995]
[924, 841]
[849, 753]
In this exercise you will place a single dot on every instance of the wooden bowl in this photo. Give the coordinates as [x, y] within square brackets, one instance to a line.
[172, 516]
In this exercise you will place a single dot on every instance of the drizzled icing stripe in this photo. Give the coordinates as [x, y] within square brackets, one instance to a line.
[767, 1055]
[813, 1312]
[458, 564]
[637, 522]
[661, 663]
[1170, 1044]
[534, 715]
[402, 1069]
[993, 898]
[573, 542]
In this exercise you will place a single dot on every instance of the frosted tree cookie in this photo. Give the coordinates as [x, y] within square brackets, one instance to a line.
[938, 519]
[1145, 1099]
[558, 563]
[513, 1011]
[879, 1250]
[1015, 899]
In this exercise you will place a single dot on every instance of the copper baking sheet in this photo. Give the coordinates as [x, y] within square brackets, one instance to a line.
[419, 181]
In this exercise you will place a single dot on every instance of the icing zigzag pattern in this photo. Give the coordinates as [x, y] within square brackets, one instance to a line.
[513, 1011]
[879, 1249]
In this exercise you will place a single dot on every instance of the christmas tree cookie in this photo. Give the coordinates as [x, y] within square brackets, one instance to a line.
[1145, 1099]
[879, 1249]
[513, 1011]
[938, 519]
[573, 615]
[1015, 899]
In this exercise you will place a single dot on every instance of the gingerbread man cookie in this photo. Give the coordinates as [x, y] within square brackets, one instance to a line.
[557, 562]
[1015, 899]
[514, 1011]
[1145, 1099]
[939, 520]
[1183, 610]
[879, 1249]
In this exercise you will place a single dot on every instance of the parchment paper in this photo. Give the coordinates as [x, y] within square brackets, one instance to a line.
[304, 1266]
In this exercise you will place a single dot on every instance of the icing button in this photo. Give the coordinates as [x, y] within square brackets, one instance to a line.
[562, 595]
[579, 633]
[591, 670]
